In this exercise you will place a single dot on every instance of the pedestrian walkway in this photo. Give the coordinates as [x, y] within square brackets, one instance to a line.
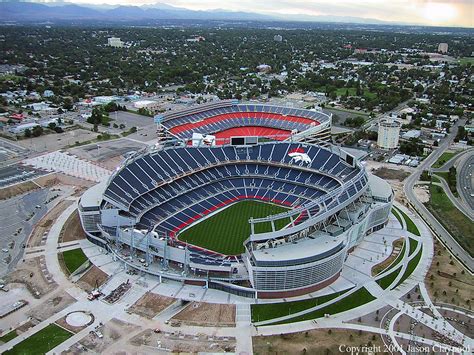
[68, 164]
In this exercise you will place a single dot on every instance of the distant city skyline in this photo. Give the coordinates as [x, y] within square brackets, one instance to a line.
[434, 13]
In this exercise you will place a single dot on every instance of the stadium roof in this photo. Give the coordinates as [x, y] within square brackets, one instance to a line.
[93, 196]
[303, 248]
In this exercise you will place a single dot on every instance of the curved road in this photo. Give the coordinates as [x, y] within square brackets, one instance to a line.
[447, 239]
[465, 180]
[460, 205]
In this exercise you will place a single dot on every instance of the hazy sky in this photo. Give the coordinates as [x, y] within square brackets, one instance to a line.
[429, 12]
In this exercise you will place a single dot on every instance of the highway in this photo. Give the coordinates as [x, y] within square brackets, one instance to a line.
[444, 235]
[465, 179]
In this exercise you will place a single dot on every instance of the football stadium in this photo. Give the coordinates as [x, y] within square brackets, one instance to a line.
[250, 199]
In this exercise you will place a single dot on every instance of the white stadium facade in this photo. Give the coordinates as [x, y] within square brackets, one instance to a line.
[267, 153]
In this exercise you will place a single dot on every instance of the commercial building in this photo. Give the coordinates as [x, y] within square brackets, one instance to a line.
[149, 105]
[443, 47]
[388, 133]
[115, 42]
[277, 38]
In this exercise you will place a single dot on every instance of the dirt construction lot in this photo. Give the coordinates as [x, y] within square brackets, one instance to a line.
[207, 314]
[72, 229]
[150, 304]
[44, 225]
[93, 277]
[55, 303]
[30, 274]
[324, 341]
[112, 331]
[179, 343]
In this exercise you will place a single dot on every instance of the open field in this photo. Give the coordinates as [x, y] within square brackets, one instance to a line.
[455, 222]
[150, 304]
[207, 314]
[466, 60]
[73, 259]
[321, 341]
[443, 159]
[226, 231]
[42, 341]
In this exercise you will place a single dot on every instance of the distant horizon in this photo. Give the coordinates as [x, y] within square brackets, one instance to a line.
[445, 13]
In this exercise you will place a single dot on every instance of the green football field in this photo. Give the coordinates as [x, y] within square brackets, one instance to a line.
[226, 231]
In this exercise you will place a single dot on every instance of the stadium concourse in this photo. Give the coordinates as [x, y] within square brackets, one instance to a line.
[328, 203]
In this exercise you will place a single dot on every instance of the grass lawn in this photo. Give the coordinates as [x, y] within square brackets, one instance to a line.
[42, 341]
[73, 259]
[413, 245]
[261, 312]
[466, 60]
[9, 336]
[455, 222]
[412, 264]
[388, 279]
[226, 231]
[411, 226]
[355, 299]
[443, 159]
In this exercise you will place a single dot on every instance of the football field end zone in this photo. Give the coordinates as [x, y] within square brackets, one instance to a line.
[208, 228]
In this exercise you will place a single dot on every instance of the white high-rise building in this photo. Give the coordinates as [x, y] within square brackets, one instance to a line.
[278, 38]
[115, 42]
[443, 47]
[389, 132]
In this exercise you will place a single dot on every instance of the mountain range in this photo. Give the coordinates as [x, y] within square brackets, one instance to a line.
[28, 12]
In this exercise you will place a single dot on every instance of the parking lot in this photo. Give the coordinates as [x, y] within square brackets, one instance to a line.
[109, 153]
[55, 141]
[16, 173]
[18, 215]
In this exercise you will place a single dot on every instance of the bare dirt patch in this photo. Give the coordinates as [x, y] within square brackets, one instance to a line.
[447, 281]
[207, 314]
[422, 193]
[112, 331]
[150, 304]
[44, 225]
[180, 343]
[30, 274]
[391, 174]
[72, 229]
[52, 305]
[94, 276]
[12, 191]
[328, 342]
